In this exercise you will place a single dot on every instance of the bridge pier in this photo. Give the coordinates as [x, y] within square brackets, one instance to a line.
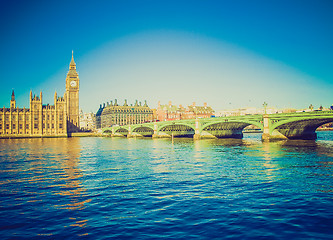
[155, 130]
[113, 131]
[275, 136]
[197, 135]
[267, 135]
[129, 135]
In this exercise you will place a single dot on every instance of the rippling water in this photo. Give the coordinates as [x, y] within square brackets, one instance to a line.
[103, 188]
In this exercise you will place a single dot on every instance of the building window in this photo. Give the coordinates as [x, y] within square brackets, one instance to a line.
[52, 125]
[0, 126]
[52, 117]
[36, 117]
[13, 117]
[7, 118]
[48, 125]
[20, 126]
[60, 125]
[36, 125]
[43, 125]
[20, 117]
[14, 126]
[27, 126]
[7, 126]
[27, 118]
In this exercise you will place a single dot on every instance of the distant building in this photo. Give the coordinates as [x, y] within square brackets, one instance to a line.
[87, 121]
[171, 112]
[252, 111]
[167, 112]
[240, 112]
[194, 111]
[114, 114]
[59, 119]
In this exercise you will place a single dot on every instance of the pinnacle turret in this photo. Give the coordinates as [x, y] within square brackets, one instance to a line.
[13, 96]
[72, 65]
[12, 101]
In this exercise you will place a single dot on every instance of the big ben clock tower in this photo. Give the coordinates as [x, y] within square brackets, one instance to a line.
[72, 98]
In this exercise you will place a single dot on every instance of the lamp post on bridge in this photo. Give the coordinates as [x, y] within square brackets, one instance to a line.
[265, 107]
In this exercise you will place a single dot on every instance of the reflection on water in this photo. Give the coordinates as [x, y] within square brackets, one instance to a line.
[96, 188]
[38, 171]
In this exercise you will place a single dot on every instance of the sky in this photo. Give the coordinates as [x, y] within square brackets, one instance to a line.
[230, 54]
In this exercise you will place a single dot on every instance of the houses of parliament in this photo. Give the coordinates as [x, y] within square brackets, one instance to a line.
[60, 119]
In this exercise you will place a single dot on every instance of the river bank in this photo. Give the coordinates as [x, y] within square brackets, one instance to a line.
[79, 134]
[93, 134]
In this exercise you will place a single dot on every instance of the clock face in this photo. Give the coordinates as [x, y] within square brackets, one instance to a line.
[73, 83]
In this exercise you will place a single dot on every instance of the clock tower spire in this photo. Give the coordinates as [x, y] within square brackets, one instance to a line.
[72, 98]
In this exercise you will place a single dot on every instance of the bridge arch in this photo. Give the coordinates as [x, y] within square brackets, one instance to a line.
[171, 123]
[225, 128]
[122, 131]
[107, 131]
[176, 129]
[145, 131]
[258, 124]
[296, 128]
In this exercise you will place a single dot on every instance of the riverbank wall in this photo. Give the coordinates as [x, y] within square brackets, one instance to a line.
[78, 134]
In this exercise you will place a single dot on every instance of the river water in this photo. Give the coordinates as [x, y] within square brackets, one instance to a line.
[118, 188]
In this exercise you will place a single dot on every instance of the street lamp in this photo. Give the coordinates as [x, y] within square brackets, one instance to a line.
[265, 107]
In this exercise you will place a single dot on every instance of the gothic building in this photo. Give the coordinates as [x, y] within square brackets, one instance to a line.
[60, 119]
[114, 114]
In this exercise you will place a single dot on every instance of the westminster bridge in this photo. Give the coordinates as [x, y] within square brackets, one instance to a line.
[300, 125]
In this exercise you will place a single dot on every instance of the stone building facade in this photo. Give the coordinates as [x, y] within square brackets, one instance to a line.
[87, 121]
[169, 112]
[114, 114]
[60, 119]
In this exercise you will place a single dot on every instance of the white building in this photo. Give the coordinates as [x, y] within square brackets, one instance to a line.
[247, 111]
[87, 121]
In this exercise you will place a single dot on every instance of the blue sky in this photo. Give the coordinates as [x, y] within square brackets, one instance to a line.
[226, 53]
